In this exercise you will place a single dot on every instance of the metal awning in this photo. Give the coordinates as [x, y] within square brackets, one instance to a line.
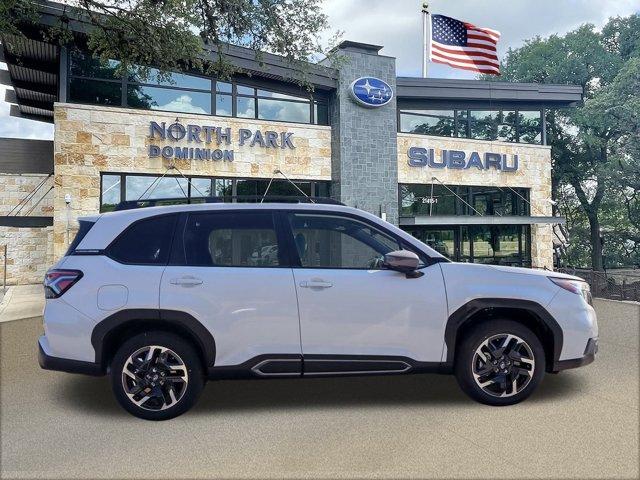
[480, 220]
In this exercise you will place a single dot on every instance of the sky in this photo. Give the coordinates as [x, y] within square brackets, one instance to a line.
[397, 25]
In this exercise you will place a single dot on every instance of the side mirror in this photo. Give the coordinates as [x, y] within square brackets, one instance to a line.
[402, 261]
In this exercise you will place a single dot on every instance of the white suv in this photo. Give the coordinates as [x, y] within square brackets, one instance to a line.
[163, 298]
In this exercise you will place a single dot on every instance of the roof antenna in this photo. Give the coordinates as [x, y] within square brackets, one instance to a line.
[276, 172]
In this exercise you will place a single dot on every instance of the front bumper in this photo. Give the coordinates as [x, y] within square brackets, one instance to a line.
[49, 362]
[588, 357]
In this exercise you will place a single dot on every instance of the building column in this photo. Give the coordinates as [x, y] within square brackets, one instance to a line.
[364, 152]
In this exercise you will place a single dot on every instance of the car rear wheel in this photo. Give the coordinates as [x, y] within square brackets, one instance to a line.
[499, 362]
[156, 375]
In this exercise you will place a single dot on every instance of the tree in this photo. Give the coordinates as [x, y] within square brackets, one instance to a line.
[172, 35]
[592, 145]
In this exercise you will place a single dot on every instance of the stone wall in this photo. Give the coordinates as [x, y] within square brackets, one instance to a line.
[15, 188]
[29, 254]
[534, 173]
[29, 250]
[364, 139]
[92, 139]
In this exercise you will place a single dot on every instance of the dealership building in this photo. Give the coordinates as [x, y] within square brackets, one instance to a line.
[463, 165]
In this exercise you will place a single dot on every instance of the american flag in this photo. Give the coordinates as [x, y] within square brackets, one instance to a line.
[463, 45]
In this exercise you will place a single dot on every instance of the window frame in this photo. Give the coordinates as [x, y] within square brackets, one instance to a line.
[462, 129]
[178, 252]
[296, 262]
[192, 194]
[125, 82]
[109, 253]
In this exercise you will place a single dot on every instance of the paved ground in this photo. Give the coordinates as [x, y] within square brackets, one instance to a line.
[580, 424]
[21, 301]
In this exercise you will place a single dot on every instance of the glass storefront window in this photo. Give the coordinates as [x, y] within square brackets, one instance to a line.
[224, 105]
[503, 125]
[175, 189]
[462, 122]
[267, 93]
[428, 122]
[530, 127]
[246, 107]
[157, 98]
[110, 192]
[84, 64]
[283, 111]
[417, 199]
[483, 125]
[321, 113]
[95, 92]
[92, 81]
[180, 80]
[143, 187]
[201, 187]
[492, 244]
[506, 121]
[242, 90]
[224, 87]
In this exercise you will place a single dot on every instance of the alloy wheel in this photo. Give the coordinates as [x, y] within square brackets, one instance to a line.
[154, 378]
[503, 365]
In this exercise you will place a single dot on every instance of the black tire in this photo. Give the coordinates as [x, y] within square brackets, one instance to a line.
[467, 362]
[185, 393]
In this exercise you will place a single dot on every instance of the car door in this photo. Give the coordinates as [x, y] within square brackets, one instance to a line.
[227, 271]
[352, 310]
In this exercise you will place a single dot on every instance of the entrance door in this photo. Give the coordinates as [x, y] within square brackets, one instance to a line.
[353, 310]
[229, 274]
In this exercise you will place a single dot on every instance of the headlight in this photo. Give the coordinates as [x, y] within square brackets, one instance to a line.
[578, 287]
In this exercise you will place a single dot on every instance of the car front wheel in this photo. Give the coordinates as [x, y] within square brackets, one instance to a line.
[156, 375]
[499, 362]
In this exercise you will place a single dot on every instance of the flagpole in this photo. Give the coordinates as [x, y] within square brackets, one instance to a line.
[426, 37]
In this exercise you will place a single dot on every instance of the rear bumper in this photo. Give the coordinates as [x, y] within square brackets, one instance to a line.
[588, 357]
[49, 362]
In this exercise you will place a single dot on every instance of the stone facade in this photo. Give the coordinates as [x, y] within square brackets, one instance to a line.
[364, 139]
[534, 173]
[29, 253]
[89, 140]
[29, 250]
[15, 188]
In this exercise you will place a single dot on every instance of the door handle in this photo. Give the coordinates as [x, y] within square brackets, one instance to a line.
[315, 284]
[186, 281]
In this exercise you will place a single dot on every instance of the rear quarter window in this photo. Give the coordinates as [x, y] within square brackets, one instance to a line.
[145, 242]
[83, 229]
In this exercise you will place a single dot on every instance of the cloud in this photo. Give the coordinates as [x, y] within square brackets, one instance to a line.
[19, 127]
[397, 25]
[183, 103]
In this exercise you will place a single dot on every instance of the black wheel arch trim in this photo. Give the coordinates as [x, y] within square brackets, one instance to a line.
[182, 321]
[469, 309]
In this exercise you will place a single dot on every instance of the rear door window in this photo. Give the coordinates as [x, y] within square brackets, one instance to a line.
[232, 239]
[145, 242]
[83, 228]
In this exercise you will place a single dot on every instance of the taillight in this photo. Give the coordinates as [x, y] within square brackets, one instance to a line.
[58, 281]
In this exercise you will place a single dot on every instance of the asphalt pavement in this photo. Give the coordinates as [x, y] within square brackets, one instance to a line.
[580, 424]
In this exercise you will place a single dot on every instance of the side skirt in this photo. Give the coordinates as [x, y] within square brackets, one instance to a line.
[297, 366]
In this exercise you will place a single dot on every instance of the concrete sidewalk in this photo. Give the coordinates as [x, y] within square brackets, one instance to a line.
[22, 301]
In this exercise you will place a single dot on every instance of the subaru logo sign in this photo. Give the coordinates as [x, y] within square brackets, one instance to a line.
[371, 92]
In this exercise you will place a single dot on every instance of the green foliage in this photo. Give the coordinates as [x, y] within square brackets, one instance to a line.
[172, 35]
[596, 146]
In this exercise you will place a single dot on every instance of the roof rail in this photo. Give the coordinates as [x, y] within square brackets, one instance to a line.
[155, 202]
